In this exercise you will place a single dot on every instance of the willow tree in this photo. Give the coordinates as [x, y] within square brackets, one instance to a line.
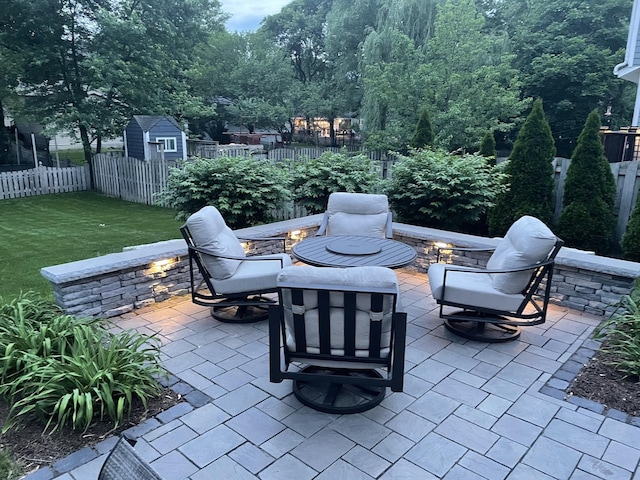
[468, 78]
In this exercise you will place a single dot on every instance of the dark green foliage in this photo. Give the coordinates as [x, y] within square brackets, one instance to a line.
[530, 176]
[64, 370]
[488, 147]
[436, 189]
[313, 180]
[587, 220]
[423, 135]
[631, 239]
[244, 190]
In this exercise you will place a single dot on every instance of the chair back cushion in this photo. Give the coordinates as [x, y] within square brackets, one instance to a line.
[302, 303]
[357, 214]
[527, 242]
[208, 230]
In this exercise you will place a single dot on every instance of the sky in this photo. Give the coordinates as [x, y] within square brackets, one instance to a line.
[247, 14]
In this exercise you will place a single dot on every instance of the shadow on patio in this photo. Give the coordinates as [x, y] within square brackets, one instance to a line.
[469, 410]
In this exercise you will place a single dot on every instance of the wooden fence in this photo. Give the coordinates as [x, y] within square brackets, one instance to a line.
[43, 180]
[131, 179]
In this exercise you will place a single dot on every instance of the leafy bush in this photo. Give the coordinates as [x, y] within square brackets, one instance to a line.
[313, 180]
[66, 371]
[630, 242]
[587, 220]
[530, 176]
[622, 331]
[437, 189]
[488, 147]
[244, 190]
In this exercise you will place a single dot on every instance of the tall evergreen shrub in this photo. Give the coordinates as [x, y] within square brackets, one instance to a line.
[530, 175]
[423, 135]
[488, 147]
[587, 220]
[631, 239]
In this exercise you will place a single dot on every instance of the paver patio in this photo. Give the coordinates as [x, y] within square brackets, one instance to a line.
[468, 411]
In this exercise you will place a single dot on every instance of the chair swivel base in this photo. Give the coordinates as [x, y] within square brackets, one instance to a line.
[480, 330]
[326, 396]
[243, 313]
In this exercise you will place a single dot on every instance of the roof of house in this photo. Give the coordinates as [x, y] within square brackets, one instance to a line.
[147, 122]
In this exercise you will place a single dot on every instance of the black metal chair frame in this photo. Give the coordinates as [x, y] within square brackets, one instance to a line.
[370, 382]
[240, 307]
[493, 325]
[124, 463]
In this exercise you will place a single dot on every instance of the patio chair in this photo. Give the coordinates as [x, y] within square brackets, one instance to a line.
[124, 463]
[363, 214]
[338, 329]
[511, 292]
[235, 284]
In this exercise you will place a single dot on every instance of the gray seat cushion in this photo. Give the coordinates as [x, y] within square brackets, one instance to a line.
[528, 242]
[253, 275]
[209, 231]
[357, 214]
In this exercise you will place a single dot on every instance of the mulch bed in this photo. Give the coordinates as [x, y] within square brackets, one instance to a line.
[32, 449]
[600, 382]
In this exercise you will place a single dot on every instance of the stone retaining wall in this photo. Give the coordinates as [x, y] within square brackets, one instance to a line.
[114, 284]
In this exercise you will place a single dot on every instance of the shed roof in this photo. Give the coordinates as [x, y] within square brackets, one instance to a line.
[147, 122]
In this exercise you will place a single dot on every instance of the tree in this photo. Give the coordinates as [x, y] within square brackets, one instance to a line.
[87, 65]
[566, 51]
[631, 239]
[423, 135]
[468, 78]
[587, 219]
[488, 146]
[530, 176]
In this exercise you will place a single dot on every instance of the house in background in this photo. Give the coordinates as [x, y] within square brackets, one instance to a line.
[630, 68]
[148, 137]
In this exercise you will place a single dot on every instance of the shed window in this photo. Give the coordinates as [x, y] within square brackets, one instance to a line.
[170, 144]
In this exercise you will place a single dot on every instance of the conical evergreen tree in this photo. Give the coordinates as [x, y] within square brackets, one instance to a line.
[631, 239]
[488, 147]
[587, 220]
[423, 135]
[530, 175]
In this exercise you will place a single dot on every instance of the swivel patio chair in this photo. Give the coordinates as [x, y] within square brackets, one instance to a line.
[362, 214]
[124, 463]
[513, 291]
[235, 284]
[338, 329]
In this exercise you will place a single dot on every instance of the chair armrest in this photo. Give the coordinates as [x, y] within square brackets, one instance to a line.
[323, 226]
[460, 268]
[256, 258]
[460, 249]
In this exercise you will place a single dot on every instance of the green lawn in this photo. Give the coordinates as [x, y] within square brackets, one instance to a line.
[47, 230]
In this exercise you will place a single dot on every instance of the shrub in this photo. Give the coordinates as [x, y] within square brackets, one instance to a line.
[587, 220]
[423, 135]
[67, 371]
[530, 176]
[622, 331]
[488, 147]
[631, 239]
[437, 189]
[313, 180]
[244, 190]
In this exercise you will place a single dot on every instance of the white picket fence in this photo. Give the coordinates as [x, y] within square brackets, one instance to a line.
[44, 180]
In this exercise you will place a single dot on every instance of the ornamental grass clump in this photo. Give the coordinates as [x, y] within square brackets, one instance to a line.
[622, 334]
[67, 371]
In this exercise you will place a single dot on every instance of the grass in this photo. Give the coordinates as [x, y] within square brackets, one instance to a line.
[9, 470]
[47, 230]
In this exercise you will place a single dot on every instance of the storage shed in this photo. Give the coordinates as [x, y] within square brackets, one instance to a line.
[147, 137]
